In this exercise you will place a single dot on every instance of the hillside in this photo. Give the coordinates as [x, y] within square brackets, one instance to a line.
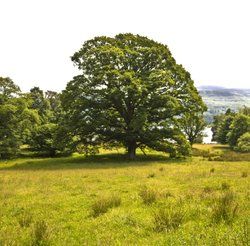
[219, 99]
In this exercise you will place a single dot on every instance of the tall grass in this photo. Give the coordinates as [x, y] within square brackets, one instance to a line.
[104, 203]
[40, 234]
[226, 208]
[148, 195]
[168, 218]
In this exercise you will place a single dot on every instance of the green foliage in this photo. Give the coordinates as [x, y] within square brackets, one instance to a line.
[193, 124]
[55, 105]
[243, 143]
[29, 118]
[224, 129]
[43, 135]
[87, 149]
[9, 113]
[43, 139]
[63, 140]
[239, 126]
[40, 103]
[130, 91]
[233, 129]
[9, 141]
[7, 89]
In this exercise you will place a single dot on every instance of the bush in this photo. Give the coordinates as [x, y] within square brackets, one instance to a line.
[101, 205]
[243, 143]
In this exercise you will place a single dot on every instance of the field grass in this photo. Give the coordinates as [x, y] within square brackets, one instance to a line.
[105, 200]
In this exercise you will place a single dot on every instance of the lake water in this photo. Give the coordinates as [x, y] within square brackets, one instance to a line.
[209, 134]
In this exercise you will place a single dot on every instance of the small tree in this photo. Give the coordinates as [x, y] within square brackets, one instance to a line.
[193, 124]
[221, 126]
[224, 129]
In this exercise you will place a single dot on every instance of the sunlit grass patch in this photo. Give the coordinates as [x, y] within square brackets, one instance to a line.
[182, 204]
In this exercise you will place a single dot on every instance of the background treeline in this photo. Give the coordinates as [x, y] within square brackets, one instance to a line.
[27, 119]
[36, 119]
[36, 122]
[233, 128]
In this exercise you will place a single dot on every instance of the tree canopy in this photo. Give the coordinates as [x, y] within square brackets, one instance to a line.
[130, 91]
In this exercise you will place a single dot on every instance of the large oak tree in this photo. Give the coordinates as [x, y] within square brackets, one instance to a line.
[130, 90]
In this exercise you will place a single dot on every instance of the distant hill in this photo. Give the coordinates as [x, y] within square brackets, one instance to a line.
[219, 99]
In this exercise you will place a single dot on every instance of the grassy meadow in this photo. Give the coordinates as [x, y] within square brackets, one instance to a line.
[104, 200]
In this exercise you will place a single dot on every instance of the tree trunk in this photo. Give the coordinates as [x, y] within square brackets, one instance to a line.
[131, 155]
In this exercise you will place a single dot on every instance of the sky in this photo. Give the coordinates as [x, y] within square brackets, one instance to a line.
[210, 38]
